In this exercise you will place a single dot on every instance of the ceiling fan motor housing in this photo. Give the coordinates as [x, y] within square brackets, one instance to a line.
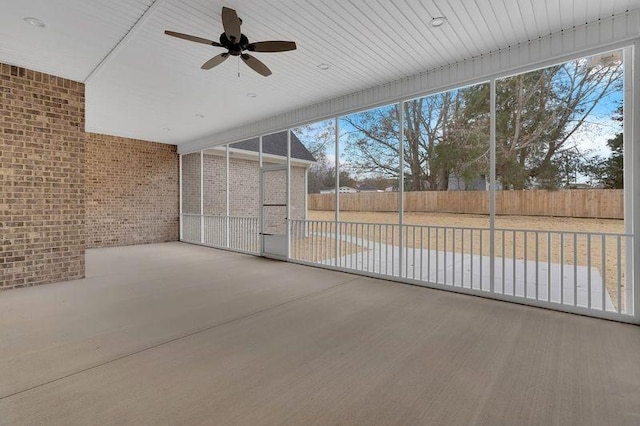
[234, 48]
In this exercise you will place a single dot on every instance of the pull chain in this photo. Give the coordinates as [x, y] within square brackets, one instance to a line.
[238, 66]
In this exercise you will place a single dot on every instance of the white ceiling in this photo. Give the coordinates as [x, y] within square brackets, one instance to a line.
[144, 84]
[77, 36]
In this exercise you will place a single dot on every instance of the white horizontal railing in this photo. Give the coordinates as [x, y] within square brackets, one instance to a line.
[214, 233]
[227, 232]
[576, 271]
[244, 234]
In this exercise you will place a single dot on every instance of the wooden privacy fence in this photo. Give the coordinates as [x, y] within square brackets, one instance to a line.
[588, 203]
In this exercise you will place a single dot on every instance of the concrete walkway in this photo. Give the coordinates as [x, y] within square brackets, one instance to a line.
[555, 283]
[182, 334]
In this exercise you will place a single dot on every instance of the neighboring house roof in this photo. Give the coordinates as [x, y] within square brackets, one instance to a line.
[276, 144]
[367, 188]
[458, 184]
[340, 189]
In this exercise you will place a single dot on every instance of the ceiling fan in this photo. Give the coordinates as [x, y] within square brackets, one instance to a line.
[237, 43]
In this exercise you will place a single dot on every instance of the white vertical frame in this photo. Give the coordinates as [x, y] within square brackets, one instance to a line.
[226, 193]
[180, 196]
[401, 241]
[492, 187]
[288, 193]
[260, 197]
[631, 159]
[306, 192]
[202, 196]
[337, 186]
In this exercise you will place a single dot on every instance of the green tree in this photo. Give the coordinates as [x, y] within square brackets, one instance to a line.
[538, 113]
[614, 175]
[369, 141]
[609, 171]
[537, 117]
[319, 139]
[445, 134]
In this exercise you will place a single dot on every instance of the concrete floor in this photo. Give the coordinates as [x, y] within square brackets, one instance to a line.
[181, 334]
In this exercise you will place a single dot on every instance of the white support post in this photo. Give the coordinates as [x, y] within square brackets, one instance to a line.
[492, 187]
[226, 192]
[401, 192]
[288, 193]
[202, 196]
[337, 186]
[180, 196]
[632, 176]
[261, 196]
[306, 192]
[306, 201]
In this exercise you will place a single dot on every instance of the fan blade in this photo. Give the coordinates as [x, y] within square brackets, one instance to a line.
[231, 24]
[256, 65]
[216, 60]
[271, 46]
[193, 38]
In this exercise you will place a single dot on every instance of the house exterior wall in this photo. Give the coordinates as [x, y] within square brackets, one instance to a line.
[298, 193]
[132, 192]
[244, 186]
[215, 186]
[42, 178]
[62, 190]
[191, 183]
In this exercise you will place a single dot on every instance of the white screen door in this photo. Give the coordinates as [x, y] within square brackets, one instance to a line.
[273, 193]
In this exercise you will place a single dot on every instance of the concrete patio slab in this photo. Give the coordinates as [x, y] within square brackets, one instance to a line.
[182, 334]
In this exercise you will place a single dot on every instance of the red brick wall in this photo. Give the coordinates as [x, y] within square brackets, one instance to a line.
[42, 178]
[132, 192]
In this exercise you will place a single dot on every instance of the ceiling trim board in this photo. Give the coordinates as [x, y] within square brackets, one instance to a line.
[613, 32]
[125, 40]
